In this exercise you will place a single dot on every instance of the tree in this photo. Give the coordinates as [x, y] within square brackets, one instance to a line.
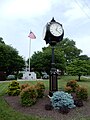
[10, 61]
[79, 67]
[65, 52]
[41, 61]
[1, 40]
[84, 57]
[70, 50]
[36, 61]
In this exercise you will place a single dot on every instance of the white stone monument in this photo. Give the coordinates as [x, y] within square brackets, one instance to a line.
[29, 75]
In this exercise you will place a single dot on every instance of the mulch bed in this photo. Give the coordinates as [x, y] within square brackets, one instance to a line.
[39, 109]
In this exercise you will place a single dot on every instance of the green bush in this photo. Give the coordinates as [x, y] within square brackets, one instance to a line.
[13, 88]
[73, 84]
[40, 87]
[68, 89]
[20, 75]
[73, 87]
[23, 86]
[38, 75]
[81, 93]
[28, 96]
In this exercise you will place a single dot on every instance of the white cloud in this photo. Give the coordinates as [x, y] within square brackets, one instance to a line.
[76, 11]
[17, 17]
[83, 43]
[25, 8]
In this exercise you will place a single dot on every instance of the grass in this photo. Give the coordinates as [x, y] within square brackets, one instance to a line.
[8, 113]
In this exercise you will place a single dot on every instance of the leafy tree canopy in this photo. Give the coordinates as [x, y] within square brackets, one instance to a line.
[10, 61]
[79, 67]
[1, 40]
[65, 52]
[69, 48]
[84, 57]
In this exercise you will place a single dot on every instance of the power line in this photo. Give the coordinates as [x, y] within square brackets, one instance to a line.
[82, 9]
[86, 4]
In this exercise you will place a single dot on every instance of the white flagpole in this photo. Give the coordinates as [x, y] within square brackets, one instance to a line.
[29, 52]
[31, 36]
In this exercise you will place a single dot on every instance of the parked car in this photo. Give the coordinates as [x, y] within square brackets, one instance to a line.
[11, 77]
[45, 75]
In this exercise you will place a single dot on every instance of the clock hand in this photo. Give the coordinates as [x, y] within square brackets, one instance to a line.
[57, 30]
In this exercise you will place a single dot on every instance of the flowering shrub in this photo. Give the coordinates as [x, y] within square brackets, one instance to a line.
[68, 89]
[23, 86]
[73, 87]
[82, 93]
[29, 93]
[13, 88]
[28, 96]
[73, 84]
[60, 99]
[40, 87]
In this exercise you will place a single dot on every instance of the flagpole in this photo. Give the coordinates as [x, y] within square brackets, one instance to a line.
[31, 36]
[29, 52]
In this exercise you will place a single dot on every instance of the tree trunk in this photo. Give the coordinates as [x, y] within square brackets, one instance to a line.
[79, 76]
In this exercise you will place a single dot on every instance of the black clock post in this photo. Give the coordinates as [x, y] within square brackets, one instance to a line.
[53, 33]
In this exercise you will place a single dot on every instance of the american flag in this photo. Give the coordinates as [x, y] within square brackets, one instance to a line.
[31, 35]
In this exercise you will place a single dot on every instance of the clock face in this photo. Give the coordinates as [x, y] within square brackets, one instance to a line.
[56, 29]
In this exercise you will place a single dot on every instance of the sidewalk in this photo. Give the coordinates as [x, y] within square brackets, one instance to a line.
[88, 77]
[21, 80]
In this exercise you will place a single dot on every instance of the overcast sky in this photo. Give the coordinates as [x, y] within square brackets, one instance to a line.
[17, 17]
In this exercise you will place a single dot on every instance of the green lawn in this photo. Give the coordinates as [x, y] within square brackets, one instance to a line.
[7, 113]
